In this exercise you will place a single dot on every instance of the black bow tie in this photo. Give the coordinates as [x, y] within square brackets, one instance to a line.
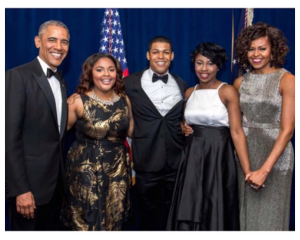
[56, 74]
[164, 78]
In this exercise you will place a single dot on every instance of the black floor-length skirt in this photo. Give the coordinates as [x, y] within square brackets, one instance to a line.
[206, 190]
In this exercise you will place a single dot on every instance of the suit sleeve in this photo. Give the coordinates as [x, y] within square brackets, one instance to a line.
[16, 181]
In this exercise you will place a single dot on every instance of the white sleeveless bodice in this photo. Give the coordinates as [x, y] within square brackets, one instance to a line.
[204, 107]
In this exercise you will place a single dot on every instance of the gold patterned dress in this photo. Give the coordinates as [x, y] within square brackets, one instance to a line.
[98, 168]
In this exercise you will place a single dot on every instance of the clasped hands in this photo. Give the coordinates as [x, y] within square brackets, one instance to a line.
[257, 178]
[25, 205]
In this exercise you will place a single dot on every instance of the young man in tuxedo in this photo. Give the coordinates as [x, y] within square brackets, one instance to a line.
[157, 98]
[35, 123]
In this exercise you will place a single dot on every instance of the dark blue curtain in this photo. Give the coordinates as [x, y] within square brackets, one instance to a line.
[185, 27]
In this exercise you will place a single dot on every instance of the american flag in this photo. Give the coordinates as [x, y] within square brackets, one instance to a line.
[112, 42]
[245, 16]
[111, 37]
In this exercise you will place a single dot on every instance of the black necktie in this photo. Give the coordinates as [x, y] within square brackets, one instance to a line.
[164, 78]
[56, 74]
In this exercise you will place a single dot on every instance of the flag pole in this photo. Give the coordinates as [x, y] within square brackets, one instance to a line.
[232, 40]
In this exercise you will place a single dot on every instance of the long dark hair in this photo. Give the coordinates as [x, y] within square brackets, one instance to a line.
[86, 77]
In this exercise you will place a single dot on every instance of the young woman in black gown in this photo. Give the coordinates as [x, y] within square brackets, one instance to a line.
[206, 190]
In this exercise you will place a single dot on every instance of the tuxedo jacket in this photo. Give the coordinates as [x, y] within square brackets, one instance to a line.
[33, 143]
[156, 140]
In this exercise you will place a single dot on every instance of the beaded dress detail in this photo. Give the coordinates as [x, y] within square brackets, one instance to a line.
[261, 102]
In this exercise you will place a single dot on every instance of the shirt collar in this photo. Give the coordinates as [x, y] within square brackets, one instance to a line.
[44, 65]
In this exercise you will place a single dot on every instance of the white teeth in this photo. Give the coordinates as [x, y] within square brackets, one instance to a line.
[256, 60]
[106, 80]
[56, 54]
[160, 63]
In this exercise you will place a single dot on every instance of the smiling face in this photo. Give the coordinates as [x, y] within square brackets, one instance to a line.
[53, 44]
[160, 57]
[104, 75]
[205, 69]
[259, 53]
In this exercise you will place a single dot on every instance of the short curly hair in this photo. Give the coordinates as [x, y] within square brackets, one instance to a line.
[212, 51]
[86, 78]
[279, 48]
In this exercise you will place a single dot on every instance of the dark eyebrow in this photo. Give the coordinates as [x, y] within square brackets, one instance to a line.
[112, 66]
[161, 50]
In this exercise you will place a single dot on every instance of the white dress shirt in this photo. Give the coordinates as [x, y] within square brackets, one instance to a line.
[163, 95]
[55, 87]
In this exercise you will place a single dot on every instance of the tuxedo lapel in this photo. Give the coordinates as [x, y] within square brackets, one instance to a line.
[42, 81]
[138, 87]
[44, 85]
[64, 107]
[180, 85]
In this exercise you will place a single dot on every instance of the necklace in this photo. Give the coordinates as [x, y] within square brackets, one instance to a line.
[110, 101]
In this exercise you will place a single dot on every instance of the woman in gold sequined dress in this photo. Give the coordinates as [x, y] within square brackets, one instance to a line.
[98, 166]
[267, 101]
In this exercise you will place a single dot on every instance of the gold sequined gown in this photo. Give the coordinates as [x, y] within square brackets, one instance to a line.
[98, 168]
[261, 102]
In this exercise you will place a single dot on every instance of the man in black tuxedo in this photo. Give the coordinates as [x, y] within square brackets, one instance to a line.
[157, 103]
[35, 123]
